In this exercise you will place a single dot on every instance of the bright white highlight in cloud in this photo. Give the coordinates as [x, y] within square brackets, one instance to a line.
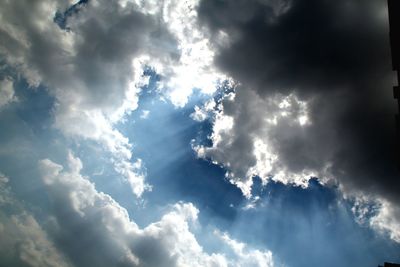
[242, 255]
[380, 214]
[202, 113]
[245, 136]
[94, 69]
[6, 92]
[387, 220]
[194, 68]
[250, 136]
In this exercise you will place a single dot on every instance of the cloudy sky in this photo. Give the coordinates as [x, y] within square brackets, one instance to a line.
[197, 133]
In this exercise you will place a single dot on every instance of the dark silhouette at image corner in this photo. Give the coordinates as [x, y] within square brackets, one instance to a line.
[387, 264]
[394, 25]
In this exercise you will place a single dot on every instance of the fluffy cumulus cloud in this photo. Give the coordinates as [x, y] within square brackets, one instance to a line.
[91, 56]
[242, 255]
[314, 97]
[88, 68]
[110, 238]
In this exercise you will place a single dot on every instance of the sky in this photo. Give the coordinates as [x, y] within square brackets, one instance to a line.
[197, 133]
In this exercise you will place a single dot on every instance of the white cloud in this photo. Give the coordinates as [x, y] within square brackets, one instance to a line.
[246, 136]
[90, 69]
[202, 113]
[94, 69]
[194, 67]
[6, 92]
[242, 255]
[173, 232]
[93, 125]
[145, 114]
[103, 223]
[378, 213]
[94, 72]
[387, 219]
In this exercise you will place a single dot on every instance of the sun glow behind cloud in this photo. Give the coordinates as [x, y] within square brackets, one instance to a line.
[144, 127]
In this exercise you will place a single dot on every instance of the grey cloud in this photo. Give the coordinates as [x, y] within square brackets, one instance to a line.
[23, 241]
[261, 132]
[89, 68]
[93, 64]
[93, 59]
[85, 220]
[333, 55]
[313, 46]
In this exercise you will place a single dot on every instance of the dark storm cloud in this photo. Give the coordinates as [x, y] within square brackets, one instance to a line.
[334, 54]
[314, 45]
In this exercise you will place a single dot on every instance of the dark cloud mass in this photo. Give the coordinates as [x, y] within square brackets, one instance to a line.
[314, 45]
[334, 54]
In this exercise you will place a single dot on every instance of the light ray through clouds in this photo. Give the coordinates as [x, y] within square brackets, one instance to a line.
[194, 133]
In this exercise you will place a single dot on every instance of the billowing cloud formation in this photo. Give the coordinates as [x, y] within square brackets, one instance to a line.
[248, 133]
[110, 238]
[91, 58]
[334, 58]
[89, 69]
